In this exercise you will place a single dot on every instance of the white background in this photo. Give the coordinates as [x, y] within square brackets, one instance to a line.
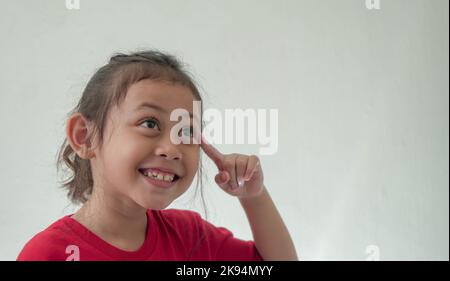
[362, 98]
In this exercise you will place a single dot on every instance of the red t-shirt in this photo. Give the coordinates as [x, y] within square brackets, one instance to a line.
[171, 235]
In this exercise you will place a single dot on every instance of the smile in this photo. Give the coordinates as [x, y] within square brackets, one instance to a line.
[158, 175]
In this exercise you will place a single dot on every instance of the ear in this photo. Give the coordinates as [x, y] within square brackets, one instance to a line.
[77, 132]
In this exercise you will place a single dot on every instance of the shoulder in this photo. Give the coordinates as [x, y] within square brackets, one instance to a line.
[192, 220]
[190, 224]
[209, 241]
[48, 244]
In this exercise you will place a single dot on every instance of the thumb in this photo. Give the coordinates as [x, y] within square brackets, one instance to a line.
[222, 178]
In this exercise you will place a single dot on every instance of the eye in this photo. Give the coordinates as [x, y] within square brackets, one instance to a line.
[152, 123]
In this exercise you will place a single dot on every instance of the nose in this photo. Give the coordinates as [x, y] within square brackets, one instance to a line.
[168, 150]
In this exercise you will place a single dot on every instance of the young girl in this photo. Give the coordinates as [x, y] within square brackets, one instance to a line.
[126, 171]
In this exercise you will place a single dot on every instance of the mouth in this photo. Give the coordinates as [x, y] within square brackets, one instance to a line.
[158, 175]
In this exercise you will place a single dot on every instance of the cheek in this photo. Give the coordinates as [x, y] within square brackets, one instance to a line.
[121, 160]
[191, 164]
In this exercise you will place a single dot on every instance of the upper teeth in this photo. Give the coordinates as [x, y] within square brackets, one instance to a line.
[159, 176]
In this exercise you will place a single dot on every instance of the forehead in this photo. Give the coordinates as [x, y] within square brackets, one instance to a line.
[165, 95]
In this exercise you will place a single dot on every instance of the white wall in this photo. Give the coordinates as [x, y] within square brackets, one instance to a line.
[362, 98]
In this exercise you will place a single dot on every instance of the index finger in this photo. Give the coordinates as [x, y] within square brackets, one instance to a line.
[212, 153]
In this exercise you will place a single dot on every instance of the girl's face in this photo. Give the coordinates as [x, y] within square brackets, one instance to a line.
[137, 136]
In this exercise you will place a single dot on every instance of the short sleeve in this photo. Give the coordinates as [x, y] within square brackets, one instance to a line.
[219, 243]
[42, 247]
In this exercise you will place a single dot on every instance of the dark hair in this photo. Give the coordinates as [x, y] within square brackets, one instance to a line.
[108, 87]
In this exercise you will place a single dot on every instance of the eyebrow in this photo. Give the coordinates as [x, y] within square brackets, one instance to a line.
[145, 105]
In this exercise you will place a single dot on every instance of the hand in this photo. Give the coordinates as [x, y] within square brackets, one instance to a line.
[239, 175]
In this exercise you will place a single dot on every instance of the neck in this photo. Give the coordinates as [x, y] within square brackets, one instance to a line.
[119, 221]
